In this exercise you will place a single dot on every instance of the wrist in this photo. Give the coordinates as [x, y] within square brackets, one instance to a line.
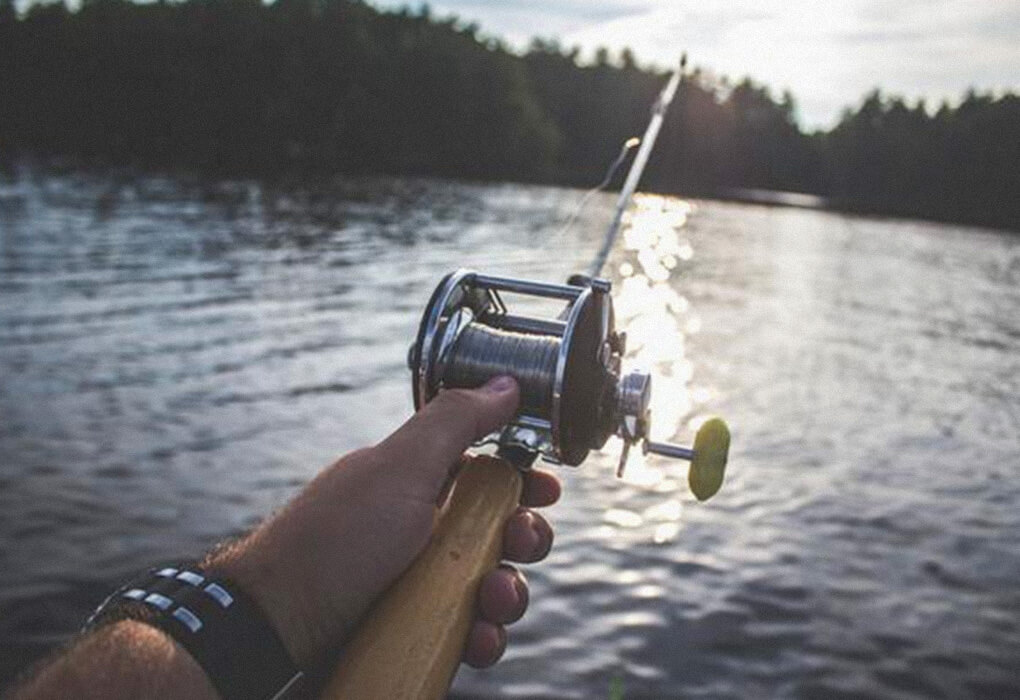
[219, 623]
[278, 595]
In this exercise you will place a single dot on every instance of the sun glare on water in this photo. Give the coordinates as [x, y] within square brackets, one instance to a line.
[657, 320]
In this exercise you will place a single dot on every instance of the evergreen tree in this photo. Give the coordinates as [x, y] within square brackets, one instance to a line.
[324, 86]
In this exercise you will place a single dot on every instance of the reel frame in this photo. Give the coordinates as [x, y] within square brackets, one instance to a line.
[573, 405]
[584, 329]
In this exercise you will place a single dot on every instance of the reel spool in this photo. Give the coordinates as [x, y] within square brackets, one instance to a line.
[574, 394]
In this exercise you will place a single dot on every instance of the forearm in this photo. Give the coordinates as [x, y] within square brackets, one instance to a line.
[317, 566]
[126, 660]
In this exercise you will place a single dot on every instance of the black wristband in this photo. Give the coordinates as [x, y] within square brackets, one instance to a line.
[216, 622]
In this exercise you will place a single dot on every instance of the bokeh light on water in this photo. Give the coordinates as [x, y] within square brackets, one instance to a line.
[656, 319]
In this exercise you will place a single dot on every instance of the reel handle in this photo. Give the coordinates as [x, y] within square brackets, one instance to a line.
[707, 457]
[411, 642]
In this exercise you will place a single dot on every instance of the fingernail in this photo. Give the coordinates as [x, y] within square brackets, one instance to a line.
[501, 384]
[521, 588]
[539, 545]
[543, 540]
[520, 583]
[534, 536]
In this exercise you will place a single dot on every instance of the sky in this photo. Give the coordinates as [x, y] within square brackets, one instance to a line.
[827, 53]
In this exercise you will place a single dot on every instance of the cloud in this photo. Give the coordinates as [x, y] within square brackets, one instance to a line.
[830, 54]
[575, 10]
[521, 20]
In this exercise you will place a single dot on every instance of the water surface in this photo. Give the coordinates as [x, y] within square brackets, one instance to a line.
[177, 357]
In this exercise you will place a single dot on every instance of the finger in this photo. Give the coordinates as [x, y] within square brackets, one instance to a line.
[528, 537]
[434, 438]
[503, 595]
[486, 642]
[541, 488]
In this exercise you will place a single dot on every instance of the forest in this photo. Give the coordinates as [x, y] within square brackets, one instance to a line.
[321, 87]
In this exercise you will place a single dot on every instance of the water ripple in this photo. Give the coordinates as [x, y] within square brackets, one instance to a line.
[178, 356]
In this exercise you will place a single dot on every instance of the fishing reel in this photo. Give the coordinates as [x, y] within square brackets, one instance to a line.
[574, 394]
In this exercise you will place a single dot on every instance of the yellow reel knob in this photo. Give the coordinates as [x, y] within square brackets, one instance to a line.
[711, 448]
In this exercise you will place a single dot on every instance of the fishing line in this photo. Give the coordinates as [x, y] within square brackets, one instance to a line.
[482, 352]
[610, 174]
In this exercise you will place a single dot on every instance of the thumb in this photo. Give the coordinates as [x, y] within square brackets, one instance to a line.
[431, 442]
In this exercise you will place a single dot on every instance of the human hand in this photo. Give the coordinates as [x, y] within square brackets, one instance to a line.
[318, 565]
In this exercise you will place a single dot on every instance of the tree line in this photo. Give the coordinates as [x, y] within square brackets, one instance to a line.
[336, 86]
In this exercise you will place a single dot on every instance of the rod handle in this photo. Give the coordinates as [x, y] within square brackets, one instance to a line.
[411, 642]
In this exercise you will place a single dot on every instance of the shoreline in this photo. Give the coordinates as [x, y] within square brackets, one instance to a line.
[25, 164]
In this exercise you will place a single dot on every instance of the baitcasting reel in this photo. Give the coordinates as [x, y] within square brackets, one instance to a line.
[574, 394]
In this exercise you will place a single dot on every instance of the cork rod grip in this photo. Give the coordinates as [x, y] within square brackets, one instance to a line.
[411, 643]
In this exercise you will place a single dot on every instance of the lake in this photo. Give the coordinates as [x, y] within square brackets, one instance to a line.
[178, 356]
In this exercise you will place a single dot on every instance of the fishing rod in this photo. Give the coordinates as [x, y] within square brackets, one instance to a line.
[659, 110]
[574, 395]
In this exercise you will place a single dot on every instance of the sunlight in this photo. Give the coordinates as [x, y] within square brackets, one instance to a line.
[657, 321]
[622, 518]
